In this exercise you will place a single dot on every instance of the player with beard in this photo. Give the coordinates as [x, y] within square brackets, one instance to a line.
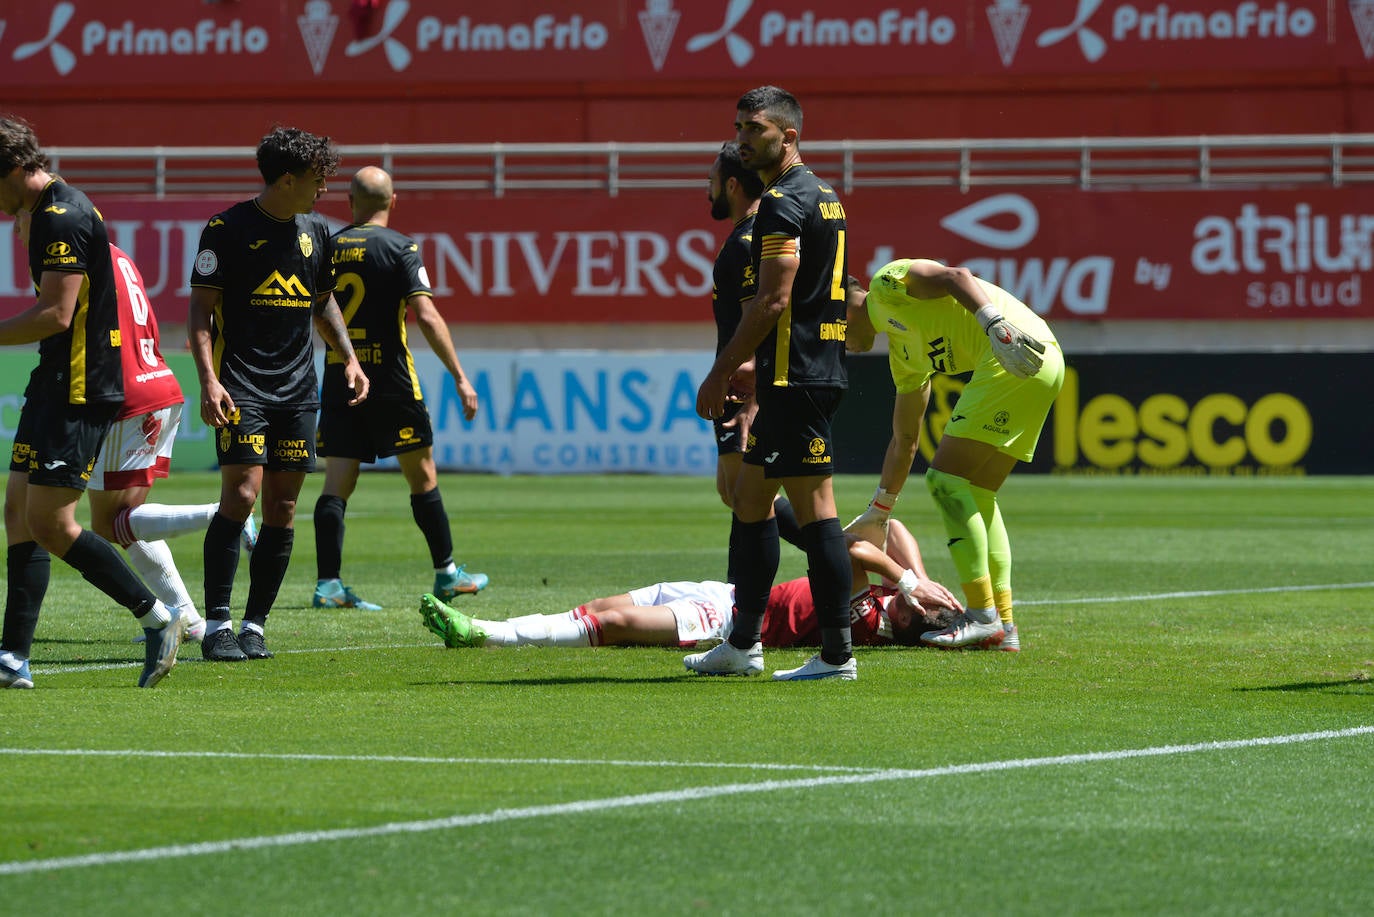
[733, 191]
[794, 330]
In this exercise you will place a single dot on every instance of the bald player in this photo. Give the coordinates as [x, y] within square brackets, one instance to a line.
[380, 276]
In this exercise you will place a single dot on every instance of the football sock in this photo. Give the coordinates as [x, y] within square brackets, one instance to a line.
[266, 570]
[1003, 600]
[250, 626]
[29, 568]
[156, 521]
[156, 617]
[329, 536]
[427, 509]
[978, 594]
[449, 568]
[569, 628]
[968, 534]
[221, 557]
[754, 560]
[999, 545]
[831, 577]
[101, 565]
[213, 625]
[153, 561]
[789, 529]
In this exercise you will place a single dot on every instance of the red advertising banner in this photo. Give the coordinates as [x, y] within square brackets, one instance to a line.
[646, 256]
[292, 45]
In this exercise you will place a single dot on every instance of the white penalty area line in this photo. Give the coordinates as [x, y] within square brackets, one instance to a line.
[596, 806]
[138, 663]
[1194, 594]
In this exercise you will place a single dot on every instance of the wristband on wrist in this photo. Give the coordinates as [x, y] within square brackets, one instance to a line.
[987, 314]
[883, 500]
[908, 582]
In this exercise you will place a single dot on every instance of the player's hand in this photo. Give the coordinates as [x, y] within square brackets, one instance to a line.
[1018, 352]
[468, 395]
[215, 404]
[930, 594]
[871, 525]
[711, 395]
[357, 382]
[742, 383]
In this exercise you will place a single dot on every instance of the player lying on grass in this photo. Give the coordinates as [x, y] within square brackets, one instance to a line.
[902, 605]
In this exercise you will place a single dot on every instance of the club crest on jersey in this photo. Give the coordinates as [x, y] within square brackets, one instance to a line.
[307, 244]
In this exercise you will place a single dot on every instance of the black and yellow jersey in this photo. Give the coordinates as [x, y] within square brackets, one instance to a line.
[800, 215]
[377, 270]
[68, 235]
[269, 272]
[733, 280]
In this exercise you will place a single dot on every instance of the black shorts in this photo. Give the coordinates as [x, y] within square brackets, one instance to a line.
[57, 443]
[281, 439]
[791, 435]
[374, 429]
[728, 439]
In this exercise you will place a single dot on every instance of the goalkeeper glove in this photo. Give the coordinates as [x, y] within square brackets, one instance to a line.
[1018, 352]
[871, 524]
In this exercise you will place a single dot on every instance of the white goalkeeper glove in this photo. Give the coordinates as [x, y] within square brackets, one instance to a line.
[1018, 352]
[871, 524]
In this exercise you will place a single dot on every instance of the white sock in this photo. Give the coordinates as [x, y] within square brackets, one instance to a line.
[564, 629]
[983, 615]
[212, 627]
[13, 660]
[450, 568]
[155, 521]
[246, 626]
[152, 560]
[157, 617]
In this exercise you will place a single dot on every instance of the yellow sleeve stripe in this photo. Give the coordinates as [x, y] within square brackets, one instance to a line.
[779, 247]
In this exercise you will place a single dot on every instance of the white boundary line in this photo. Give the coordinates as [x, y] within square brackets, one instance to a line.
[593, 806]
[414, 759]
[1202, 593]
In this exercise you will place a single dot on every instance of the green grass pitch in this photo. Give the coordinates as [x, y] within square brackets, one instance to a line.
[1189, 729]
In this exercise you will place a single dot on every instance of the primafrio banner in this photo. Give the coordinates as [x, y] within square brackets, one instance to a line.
[289, 43]
[645, 257]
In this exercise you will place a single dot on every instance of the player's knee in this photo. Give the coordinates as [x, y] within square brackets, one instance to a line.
[946, 489]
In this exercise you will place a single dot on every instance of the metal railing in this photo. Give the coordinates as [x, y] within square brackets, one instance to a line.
[498, 169]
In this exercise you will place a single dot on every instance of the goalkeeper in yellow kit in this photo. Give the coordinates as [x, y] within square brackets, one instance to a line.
[942, 319]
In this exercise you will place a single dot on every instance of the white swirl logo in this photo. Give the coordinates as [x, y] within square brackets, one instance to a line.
[62, 57]
[971, 222]
[1089, 42]
[741, 51]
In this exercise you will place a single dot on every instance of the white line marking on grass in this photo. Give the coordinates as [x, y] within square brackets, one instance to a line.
[690, 794]
[415, 759]
[1200, 593]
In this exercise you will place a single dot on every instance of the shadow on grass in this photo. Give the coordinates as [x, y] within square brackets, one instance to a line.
[1362, 681]
[546, 682]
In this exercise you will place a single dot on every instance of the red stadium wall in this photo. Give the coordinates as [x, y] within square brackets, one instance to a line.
[645, 257]
[126, 72]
